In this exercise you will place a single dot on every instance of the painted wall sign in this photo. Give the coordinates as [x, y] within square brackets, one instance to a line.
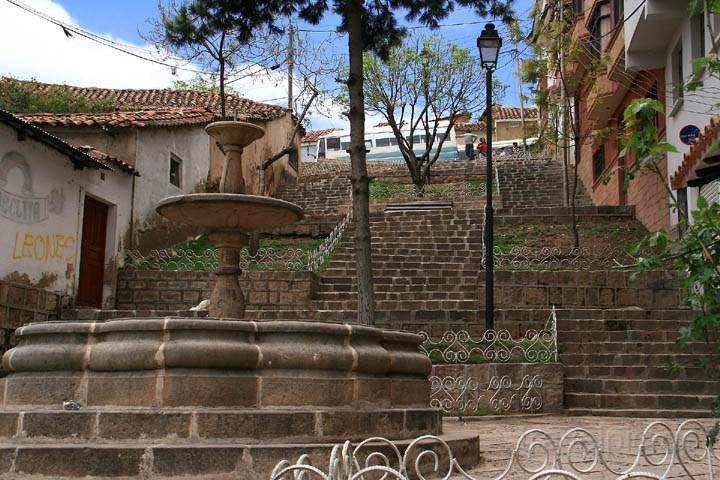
[688, 134]
[22, 206]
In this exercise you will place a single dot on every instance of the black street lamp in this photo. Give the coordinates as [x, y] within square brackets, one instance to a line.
[489, 43]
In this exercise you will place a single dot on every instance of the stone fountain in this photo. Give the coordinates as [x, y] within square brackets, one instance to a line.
[220, 397]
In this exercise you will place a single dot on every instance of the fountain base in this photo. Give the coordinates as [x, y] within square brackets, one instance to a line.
[214, 396]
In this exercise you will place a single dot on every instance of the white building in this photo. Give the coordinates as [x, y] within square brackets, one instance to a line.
[662, 34]
[63, 213]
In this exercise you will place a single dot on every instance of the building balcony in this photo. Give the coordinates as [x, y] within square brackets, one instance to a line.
[645, 39]
[612, 85]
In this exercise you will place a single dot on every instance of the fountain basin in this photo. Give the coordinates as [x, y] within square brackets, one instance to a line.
[240, 134]
[229, 211]
[184, 362]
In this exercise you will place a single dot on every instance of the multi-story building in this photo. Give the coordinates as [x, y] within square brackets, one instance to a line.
[689, 116]
[597, 86]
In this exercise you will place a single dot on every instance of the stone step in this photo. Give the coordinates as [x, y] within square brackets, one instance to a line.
[650, 386]
[638, 413]
[685, 372]
[628, 359]
[642, 347]
[639, 401]
[160, 460]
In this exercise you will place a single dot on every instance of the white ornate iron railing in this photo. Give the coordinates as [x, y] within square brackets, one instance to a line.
[289, 259]
[536, 346]
[663, 452]
[553, 258]
[466, 395]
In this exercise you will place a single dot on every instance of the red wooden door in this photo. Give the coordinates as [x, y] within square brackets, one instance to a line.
[92, 254]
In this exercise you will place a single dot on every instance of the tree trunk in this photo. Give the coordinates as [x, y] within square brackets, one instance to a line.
[222, 88]
[359, 176]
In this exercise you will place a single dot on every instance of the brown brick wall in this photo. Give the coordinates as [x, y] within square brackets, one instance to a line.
[23, 304]
[592, 289]
[163, 290]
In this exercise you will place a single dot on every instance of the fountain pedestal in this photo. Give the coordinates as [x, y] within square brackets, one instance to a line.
[213, 398]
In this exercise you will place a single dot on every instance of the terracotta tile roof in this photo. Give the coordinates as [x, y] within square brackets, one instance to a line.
[501, 112]
[105, 158]
[313, 135]
[77, 156]
[707, 139]
[472, 127]
[139, 119]
[150, 99]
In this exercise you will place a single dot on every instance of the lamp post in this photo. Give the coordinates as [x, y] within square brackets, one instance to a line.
[489, 43]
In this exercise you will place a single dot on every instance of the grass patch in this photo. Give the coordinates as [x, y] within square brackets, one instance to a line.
[389, 190]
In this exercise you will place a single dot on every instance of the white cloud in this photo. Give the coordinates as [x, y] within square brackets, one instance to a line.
[35, 48]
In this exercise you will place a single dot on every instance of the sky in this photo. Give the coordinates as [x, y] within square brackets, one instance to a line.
[35, 48]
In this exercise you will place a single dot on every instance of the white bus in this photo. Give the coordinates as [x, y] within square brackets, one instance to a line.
[382, 144]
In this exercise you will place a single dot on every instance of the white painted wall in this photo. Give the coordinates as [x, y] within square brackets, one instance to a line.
[697, 108]
[46, 246]
[153, 149]
[308, 152]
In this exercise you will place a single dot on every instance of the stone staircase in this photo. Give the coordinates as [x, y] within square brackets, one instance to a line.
[626, 362]
[425, 265]
[536, 183]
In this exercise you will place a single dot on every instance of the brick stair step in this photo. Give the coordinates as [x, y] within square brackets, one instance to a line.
[638, 413]
[639, 401]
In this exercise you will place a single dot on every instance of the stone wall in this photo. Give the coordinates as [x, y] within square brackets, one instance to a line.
[550, 391]
[23, 304]
[591, 289]
[167, 290]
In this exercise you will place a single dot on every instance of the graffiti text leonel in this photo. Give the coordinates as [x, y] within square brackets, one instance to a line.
[43, 247]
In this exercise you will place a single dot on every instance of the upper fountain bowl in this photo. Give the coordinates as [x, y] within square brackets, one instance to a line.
[241, 134]
[229, 211]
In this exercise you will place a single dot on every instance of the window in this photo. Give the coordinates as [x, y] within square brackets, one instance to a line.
[578, 6]
[321, 148]
[382, 142]
[653, 94]
[368, 143]
[599, 162]
[618, 12]
[418, 139]
[175, 170]
[697, 35]
[333, 143]
[595, 37]
[344, 146]
[677, 72]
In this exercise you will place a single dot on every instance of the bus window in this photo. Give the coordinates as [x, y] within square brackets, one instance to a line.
[382, 142]
[368, 143]
[333, 143]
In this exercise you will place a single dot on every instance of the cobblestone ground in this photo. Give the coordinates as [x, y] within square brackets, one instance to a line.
[617, 438]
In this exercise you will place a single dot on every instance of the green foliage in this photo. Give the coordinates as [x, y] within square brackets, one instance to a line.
[389, 190]
[199, 84]
[20, 97]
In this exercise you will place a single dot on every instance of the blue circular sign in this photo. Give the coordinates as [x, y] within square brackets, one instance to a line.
[688, 134]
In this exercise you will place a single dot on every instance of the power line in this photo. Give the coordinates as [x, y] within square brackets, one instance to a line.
[121, 47]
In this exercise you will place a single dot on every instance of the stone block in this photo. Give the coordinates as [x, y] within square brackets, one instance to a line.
[536, 296]
[373, 391]
[62, 461]
[424, 421]
[297, 391]
[185, 389]
[409, 392]
[8, 424]
[122, 389]
[282, 425]
[131, 425]
[186, 461]
[41, 389]
[65, 425]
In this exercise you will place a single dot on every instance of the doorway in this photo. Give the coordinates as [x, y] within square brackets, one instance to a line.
[92, 254]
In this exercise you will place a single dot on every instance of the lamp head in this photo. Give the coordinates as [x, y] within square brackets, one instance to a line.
[489, 43]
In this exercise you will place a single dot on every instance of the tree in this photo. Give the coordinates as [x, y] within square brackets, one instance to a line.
[370, 26]
[18, 96]
[553, 49]
[201, 32]
[418, 84]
